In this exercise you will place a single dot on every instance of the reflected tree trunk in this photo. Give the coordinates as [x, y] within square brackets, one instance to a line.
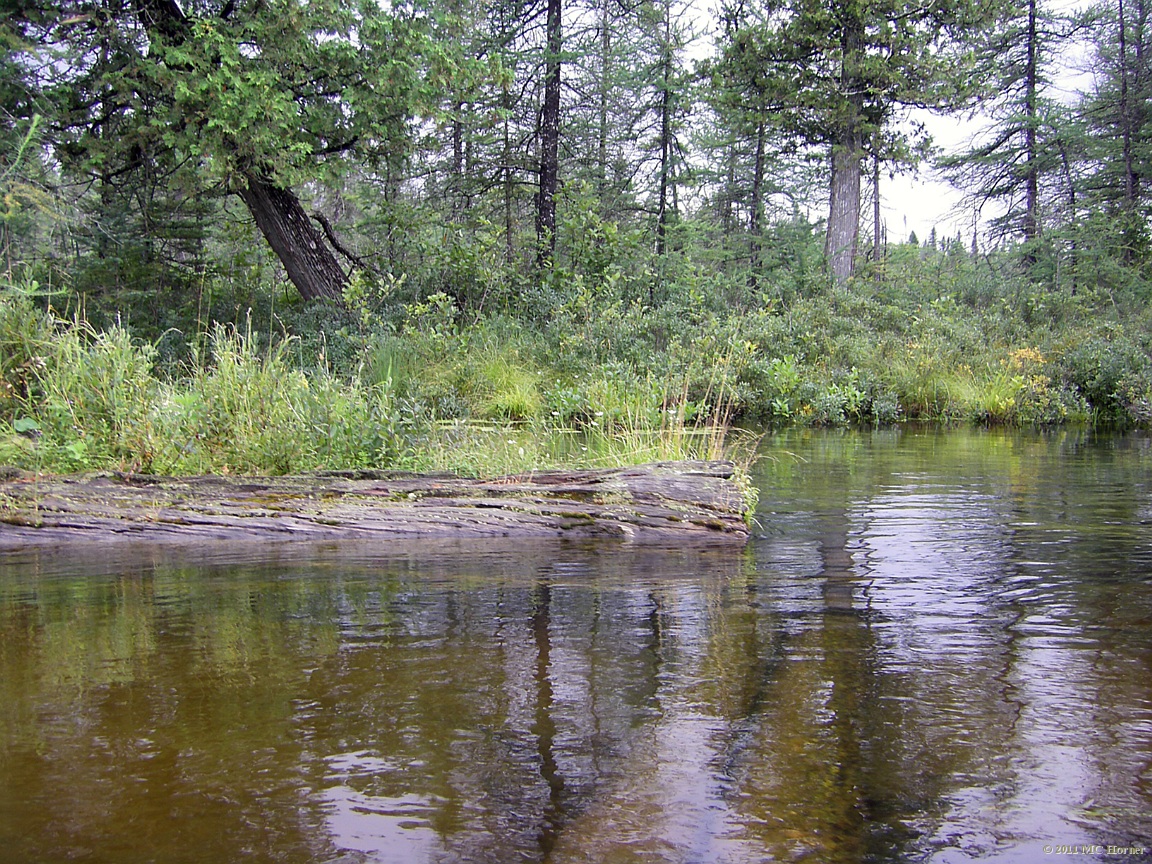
[848, 647]
[544, 727]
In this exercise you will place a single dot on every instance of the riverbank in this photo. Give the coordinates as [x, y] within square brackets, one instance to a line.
[670, 502]
[422, 386]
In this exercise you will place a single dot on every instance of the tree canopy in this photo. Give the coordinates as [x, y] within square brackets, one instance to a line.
[461, 148]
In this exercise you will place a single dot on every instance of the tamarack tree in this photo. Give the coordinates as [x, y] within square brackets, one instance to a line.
[838, 75]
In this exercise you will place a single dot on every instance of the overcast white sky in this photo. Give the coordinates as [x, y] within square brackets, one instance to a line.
[919, 201]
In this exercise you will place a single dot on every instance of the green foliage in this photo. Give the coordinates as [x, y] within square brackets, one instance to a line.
[97, 394]
[1113, 376]
[182, 350]
[25, 330]
[929, 337]
[469, 268]
[18, 192]
[83, 394]
[86, 399]
[248, 411]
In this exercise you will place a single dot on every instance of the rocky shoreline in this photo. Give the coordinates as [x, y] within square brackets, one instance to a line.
[665, 502]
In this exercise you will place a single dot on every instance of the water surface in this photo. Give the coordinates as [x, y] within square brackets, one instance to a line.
[937, 648]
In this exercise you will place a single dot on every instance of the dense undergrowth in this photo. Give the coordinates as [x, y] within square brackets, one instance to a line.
[75, 398]
[582, 370]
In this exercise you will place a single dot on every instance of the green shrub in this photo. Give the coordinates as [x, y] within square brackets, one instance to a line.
[25, 334]
[1112, 375]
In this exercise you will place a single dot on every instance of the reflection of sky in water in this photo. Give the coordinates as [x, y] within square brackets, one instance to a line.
[390, 830]
[947, 592]
[910, 665]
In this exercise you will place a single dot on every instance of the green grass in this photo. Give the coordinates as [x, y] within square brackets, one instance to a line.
[90, 400]
[431, 388]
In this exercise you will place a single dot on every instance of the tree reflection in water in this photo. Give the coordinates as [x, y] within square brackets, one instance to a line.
[937, 650]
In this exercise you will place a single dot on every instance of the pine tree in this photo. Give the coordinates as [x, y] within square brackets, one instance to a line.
[1023, 163]
[838, 75]
[1119, 120]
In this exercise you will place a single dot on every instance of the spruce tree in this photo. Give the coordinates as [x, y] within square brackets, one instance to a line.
[839, 74]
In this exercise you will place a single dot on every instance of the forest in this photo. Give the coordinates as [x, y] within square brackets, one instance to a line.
[285, 235]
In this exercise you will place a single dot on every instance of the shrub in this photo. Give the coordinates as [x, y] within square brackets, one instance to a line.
[1113, 376]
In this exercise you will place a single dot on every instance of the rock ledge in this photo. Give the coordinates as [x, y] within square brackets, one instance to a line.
[664, 502]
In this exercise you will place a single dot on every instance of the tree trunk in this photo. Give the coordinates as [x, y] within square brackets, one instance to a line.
[847, 159]
[311, 266]
[457, 183]
[728, 214]
[1125, 113]
[665, 137]
[877, 248]
[605, 87]
[844, 207]
[665, 154]
[549, 142]
[1131, 178]
[1073, 253]
[280, 217]
[756, 219]
[1031, 166]
[506, 180]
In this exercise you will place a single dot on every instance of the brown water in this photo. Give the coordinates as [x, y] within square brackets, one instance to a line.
[938, 649]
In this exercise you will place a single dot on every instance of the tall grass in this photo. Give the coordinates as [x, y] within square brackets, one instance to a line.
[248, 410]
[79, 399]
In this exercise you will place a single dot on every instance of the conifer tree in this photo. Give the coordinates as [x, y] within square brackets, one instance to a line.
[838, 75]
[1022, 163]
[1119, 120]
[253, 97]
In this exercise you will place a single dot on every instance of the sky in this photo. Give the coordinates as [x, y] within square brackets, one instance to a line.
[920, 201]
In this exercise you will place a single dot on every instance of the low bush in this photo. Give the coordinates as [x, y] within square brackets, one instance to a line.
[608, 357]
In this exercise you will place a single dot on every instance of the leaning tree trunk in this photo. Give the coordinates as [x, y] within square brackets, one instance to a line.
[280, 217]
[844, 207]
[277, 211]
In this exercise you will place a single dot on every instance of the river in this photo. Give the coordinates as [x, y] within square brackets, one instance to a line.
[937, 648]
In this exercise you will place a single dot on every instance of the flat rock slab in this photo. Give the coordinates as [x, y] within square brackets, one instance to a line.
[664, 502]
